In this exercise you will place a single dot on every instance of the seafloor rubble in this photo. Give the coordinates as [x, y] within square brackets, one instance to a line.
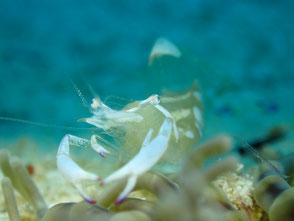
[216, 192]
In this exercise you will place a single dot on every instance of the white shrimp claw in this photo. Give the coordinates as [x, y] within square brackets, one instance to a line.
[149, 155]
[70, 170]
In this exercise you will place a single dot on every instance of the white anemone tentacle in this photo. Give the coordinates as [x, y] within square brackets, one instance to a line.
[69, 169]
[149, 155]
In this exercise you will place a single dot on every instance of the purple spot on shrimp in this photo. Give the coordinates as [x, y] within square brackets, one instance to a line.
[90, 201]
[102, 154]
[117, 202]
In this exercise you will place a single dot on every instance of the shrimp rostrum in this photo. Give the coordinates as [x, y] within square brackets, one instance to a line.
[154, 131]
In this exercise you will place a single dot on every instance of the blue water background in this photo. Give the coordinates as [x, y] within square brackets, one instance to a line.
[240, 51]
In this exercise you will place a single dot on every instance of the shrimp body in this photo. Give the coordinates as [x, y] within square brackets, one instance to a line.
[155, 131]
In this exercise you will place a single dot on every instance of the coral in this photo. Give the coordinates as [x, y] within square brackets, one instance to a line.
[237, 187]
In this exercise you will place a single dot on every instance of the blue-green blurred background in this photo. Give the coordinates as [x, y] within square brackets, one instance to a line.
[241, 52]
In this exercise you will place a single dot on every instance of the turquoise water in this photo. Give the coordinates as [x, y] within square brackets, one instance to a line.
[241, 52]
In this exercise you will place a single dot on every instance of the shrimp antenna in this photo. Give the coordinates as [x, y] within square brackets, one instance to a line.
[250, 149]
[39, 124]
[79, 93]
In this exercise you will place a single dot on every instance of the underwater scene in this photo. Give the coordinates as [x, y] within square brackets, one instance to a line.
[146, 110]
